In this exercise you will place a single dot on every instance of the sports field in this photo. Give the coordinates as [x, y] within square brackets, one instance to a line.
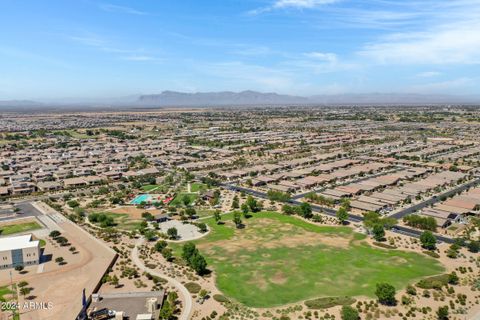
[277, 259]
[13, 228]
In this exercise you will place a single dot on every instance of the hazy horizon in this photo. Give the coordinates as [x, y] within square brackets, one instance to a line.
[94, 50]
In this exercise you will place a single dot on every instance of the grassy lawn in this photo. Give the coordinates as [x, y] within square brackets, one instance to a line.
[277, 259]
[205, 212]
[5, 291]
[196, 187]
[150, 187]
[43, 243]
[17, 228]
[124, 221]
[178, 201]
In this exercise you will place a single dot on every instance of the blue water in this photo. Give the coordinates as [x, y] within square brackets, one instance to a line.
[140, 198]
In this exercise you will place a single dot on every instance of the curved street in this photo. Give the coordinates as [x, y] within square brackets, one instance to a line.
[187, 298]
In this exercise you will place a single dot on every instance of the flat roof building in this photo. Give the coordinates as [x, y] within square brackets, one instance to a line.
[19, 251]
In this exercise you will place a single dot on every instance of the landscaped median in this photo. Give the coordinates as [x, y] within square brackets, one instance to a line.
[276, 259]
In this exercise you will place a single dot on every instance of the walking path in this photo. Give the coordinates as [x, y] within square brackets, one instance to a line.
[187, 298]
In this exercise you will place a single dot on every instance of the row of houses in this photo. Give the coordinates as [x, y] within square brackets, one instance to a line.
[387, 198]
[315, 176]
[455, 209]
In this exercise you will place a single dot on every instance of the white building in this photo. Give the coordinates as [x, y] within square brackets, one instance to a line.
[19, 251]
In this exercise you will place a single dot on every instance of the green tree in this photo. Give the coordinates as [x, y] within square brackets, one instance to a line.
[167, 253]
[115, 281]
[442, 313]
[474, 246]
[148, 216]
[386, 294]
[217, 216]
[150, 235]
[428, 240]
[378, 232]
[237, 219]
[306, 210]
[160, 245]
[245, 208]
[188, 250]
[235, 202]
[172, 233]
[185, 199]
[202, 227]
[73, 203]
[54, 234]
[167, 311]
[342, 215]
[453, 278]
[190, 212]
[198, 263]
[252, 204]
[349, 313]
[25, 291]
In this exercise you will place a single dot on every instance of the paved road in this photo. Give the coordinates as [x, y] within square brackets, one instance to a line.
[433, 200]
[332, 212]
[187, 308]
[26, 210]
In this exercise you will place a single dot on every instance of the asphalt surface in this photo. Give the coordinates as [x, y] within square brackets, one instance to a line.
[353, 218]
[26, 210]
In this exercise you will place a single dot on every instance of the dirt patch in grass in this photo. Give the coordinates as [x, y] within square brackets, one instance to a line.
[259, 281]
[133, 212]
[279, 278]
[270, 234]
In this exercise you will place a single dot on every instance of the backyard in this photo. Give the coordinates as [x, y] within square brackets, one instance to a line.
[278, 259]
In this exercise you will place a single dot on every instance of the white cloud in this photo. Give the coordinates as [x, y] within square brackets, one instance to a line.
[439, 32]
[428, 74]
[301, 3]
[322, 56]
[456, 43]
[298, 4]
[138, 58]
[121, 9]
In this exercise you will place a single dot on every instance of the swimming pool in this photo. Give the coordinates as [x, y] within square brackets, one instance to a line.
[141, 198]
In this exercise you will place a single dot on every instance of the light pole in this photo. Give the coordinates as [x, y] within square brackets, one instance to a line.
[15, 296]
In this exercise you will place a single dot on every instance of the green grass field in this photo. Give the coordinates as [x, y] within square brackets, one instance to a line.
[196, 187]
[150, 187]
[178, 201]
[277, 259]
[17, 228]
[123, 221]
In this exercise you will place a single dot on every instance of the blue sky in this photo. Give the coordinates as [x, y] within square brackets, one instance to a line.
[92, 49]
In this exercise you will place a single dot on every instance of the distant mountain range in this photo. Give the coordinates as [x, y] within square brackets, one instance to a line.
[172, 98]
[243, 98]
